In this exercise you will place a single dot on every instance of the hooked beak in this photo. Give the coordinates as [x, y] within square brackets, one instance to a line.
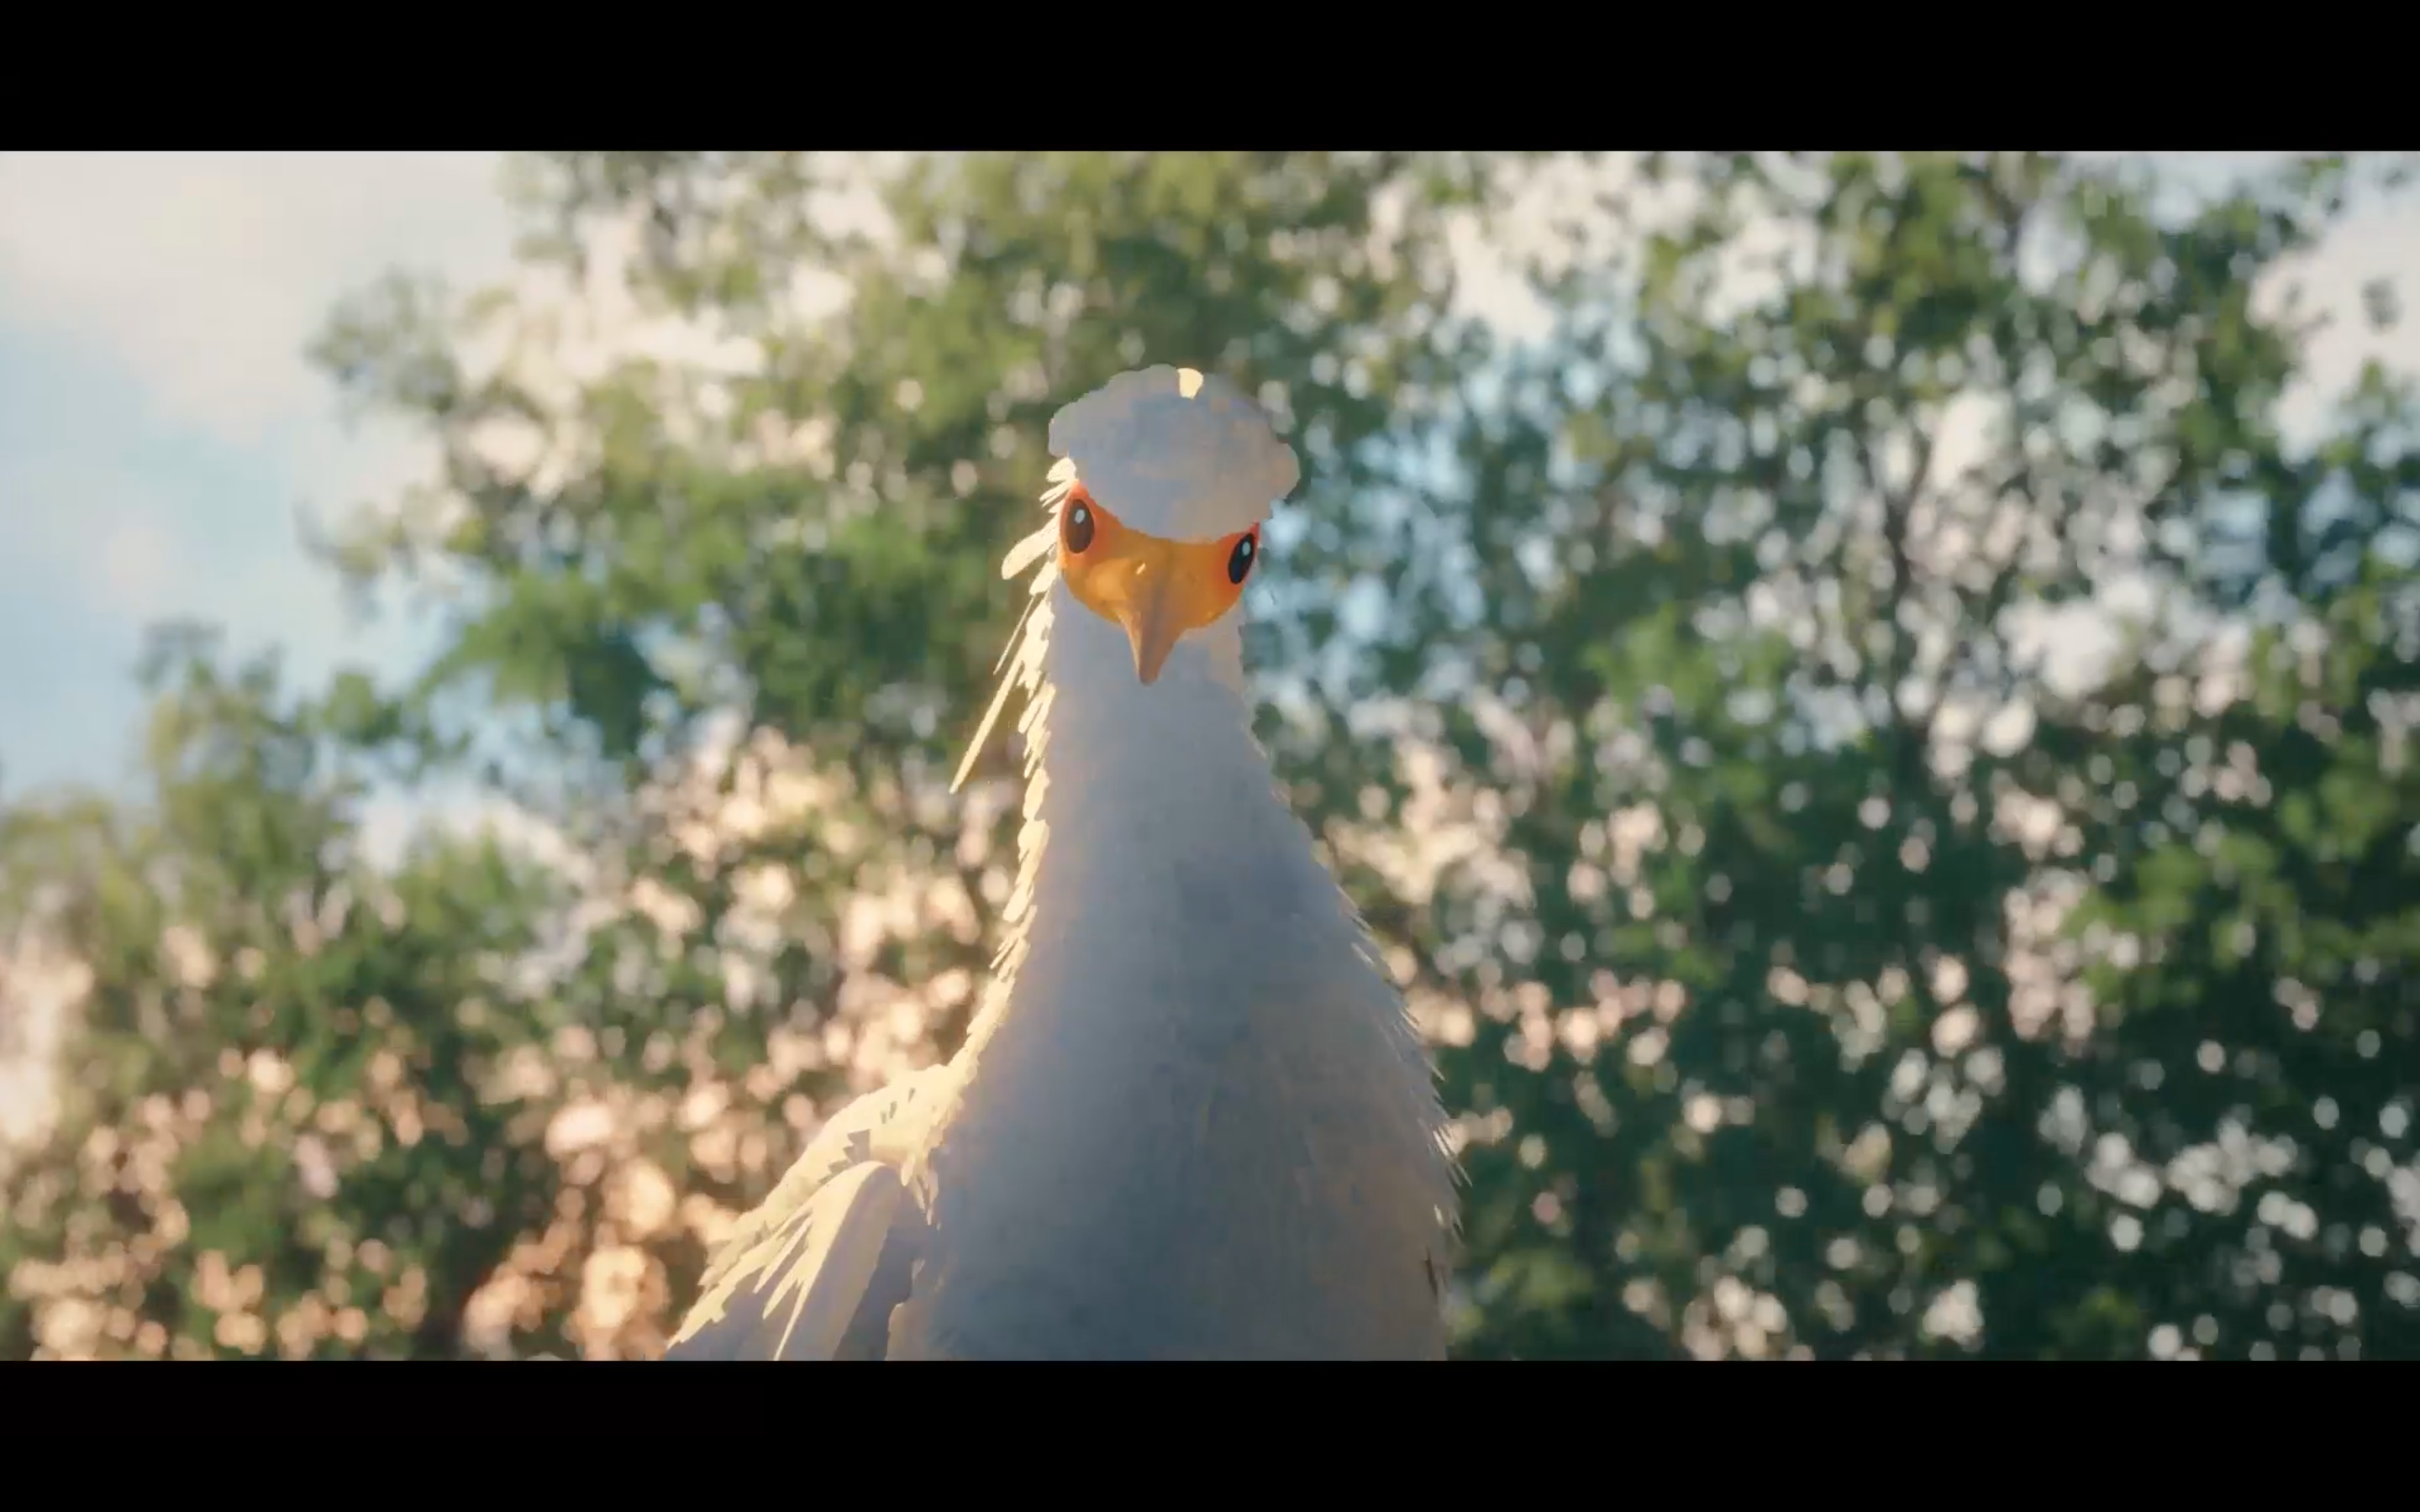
[1147, 607]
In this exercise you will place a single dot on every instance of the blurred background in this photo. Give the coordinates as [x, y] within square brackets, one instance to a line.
[1870, 699]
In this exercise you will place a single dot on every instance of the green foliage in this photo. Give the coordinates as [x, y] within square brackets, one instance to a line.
[1815, 972]
[2251, 961]
[287, 1122]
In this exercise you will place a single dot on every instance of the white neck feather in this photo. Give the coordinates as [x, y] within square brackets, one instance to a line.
[1132, 790]
[1188, 1048]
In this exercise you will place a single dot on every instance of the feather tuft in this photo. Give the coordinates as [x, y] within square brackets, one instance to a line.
[1021, 658]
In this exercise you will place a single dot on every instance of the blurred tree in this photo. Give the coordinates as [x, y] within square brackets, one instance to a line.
[293, 1120]
[2252, 819]
[1770, 1053]
[1675, 689]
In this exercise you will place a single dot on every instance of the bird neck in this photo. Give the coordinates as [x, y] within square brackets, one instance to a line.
[1188, 1054]
[1158, 741]
[1146, 805]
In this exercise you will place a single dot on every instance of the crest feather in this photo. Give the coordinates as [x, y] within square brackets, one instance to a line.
[1175, 452]
[1020, 659]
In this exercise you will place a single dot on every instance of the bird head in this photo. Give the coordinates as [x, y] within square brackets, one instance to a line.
[1174, 473]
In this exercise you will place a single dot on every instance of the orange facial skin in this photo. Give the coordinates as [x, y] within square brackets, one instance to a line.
[1158, 589]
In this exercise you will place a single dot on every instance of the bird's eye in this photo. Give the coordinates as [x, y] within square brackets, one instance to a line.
[1239, 560]
[1078, 530]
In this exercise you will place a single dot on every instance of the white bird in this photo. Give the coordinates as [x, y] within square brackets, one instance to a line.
[1191, 1118]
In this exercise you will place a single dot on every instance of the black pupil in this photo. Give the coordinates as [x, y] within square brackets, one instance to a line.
[1239, 562]
[1079, 529]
